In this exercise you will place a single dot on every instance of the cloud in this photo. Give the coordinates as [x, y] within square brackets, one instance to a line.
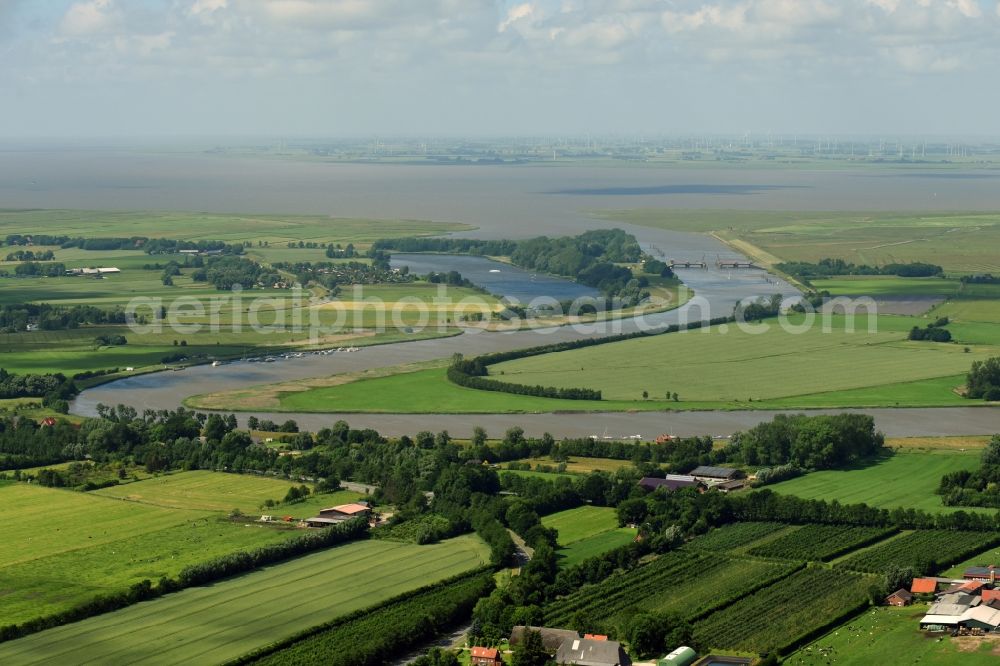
[88, 18]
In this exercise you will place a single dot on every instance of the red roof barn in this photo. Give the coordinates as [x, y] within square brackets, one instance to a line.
[923, 586]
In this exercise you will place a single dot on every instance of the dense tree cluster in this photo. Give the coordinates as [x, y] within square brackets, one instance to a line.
[933, 332]
[809, 442]
[334, 274]
[983, 381]
[225, 272]
[15, 317]
[31, 255]
[979, 487]
[38, 269]
[832, 267]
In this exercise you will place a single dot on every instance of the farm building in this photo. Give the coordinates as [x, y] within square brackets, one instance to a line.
[982, 618]
[900, 597]
[590, 652]
[551, 638]
[104, 270]
[984, 574]
[715, 474]
[682, 656]
[923, 586]
[319, 521]
[483, 656]
[671, 482]
[991, 595]
[346, 511]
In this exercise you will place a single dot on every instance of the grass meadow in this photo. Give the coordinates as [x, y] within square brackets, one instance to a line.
[202, 490]
[877, 632]
[62, 547]
[233, 228]
[219, 622]
[587, 531]
[906, 479]
[961, 242]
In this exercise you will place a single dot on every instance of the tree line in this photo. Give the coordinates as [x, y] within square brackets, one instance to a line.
[833, 267]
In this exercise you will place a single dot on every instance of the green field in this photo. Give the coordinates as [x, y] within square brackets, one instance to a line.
[886, 286]
[727, 366]
[203, 490]
[587, 531]
[275, 229]
[222, 621]
[60, 547]
[717, 368]
[960, 242]
[894, 633]
[906, 479]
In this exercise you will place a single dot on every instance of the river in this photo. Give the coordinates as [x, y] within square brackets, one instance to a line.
[503, 201]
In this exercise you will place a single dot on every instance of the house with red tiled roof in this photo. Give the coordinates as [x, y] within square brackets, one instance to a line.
[596, 637]
[990, 595]
[484, 656]
[923, 586]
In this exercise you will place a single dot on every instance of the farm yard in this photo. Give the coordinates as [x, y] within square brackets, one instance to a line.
[240, 614]
[587, 531]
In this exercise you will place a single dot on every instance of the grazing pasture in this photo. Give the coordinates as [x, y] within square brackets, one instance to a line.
[708, 369]
[869, 637]
[581, 522]
[781, 614]
[202, 490]
[725, 365]
[219, 622]
[61, 548]
[905, 479]
[587, 531]
[595, 545]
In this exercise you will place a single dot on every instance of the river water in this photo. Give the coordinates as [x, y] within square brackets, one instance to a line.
[503, 201]
[500, 279]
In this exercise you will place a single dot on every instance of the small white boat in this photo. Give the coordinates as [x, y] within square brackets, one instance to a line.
[494, 270]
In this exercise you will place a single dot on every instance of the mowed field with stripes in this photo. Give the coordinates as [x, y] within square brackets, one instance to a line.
[219, 622]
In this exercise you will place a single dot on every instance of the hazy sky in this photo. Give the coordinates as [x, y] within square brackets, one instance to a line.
[358, 67]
